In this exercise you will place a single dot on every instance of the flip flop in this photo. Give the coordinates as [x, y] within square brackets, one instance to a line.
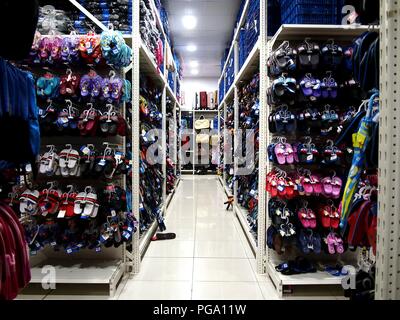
[336, 187]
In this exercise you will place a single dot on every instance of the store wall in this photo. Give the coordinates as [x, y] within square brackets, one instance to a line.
[192, 85]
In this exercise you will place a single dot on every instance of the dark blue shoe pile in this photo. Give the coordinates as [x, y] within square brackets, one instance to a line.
[115, 12]
[248, 158]
[151, 177]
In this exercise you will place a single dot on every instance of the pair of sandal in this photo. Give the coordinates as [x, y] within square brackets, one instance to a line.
[311, 87]
[298, 266]
[329, 87]
[49, 162]
[115, 51]
[47, 86]
[283, 90]
[332, 55]
[91, 85]
[329, 216]
[89, 48]
[309, 55]
[282, 153]
[88, 121]
[280, 185]
[279, 212]
[282, 60]
[69, 49]
[309, 241]
[334, 243]
[86, 204]
[28, 202]
[68, 162]
[282, 121]
[311, 184]
[69, 84]
[307, 217]
[332, 186]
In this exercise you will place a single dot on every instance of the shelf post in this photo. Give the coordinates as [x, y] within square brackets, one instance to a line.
[388, 241]
[263, 123]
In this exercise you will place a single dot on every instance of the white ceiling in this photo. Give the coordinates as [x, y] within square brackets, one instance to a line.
[215, 22]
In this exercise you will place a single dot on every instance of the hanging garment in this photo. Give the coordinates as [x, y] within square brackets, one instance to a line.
[15, 271]
[18, 117]
[19, 18]
[361, 141]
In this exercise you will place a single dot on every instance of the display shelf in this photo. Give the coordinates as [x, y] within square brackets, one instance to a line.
[88, 272]
[236, 36]
[318, 278]
[288, 32]
[242, 217]
[149, 67]
[251, 65]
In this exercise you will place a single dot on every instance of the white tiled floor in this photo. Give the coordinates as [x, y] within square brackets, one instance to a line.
[209, 259]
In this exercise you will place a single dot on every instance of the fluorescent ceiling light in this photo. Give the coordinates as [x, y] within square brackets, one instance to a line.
[195, 72]
[191, 48]
[189, 22]
[194, 64]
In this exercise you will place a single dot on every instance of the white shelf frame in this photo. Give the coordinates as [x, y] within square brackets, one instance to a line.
[111, 271]
[299, 32]
[255, 62]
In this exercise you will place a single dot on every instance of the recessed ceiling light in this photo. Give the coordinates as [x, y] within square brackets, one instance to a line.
[194, 64]
[189, 22]
[191, 48]
[194, 72]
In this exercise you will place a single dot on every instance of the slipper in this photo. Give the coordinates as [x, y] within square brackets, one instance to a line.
[338, 244]
[327, 186]
[331, 241]
[317, 186]
[336, 187]
[334, 218]
[302, 215]
[79, 203]
[163, 236]
[312, 218]
[325, 216]
[307, 185]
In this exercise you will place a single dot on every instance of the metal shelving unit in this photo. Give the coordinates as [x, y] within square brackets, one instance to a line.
[86, 267]
[388, 242]
[255, 62]
[298, 33]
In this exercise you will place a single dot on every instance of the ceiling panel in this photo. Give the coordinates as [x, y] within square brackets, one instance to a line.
[215, 22]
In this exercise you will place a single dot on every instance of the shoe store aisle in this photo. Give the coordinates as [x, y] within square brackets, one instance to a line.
[208, 259]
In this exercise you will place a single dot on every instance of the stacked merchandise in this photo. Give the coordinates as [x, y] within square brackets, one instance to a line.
[250, 31]
[151, 154]
[311, 11]
[221, 91]
[315, 96]
[206, 100]
[186, 135]
[78, 200]
[54, 17]
[206, 148]
[221, 144]
[150, 34]
[229, 130]
[249, 109]
[164, 19]
[229, 73]
[115, 12]
[171, 138]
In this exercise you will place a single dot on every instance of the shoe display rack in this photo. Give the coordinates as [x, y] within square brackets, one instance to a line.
[343, 35]
[387, 281]
[229, 103]
[111, 264]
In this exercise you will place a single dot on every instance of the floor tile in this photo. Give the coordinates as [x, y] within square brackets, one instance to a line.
[157, 290]
[219, 249]
[30, 297]
[165, 269]
[76, 297]
[216, 269]
[171, 248]
[226, 291]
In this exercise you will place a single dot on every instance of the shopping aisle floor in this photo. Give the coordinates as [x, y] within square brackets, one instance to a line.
[209, 259]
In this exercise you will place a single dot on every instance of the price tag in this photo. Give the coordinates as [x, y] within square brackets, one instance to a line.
[113, 213]
[281, 188]
[61, 214]
[310, 157]
[98, 249]
[334, 157]
[69, 250]
[53, 244]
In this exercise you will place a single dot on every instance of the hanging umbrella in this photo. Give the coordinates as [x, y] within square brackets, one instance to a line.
[360, 143]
